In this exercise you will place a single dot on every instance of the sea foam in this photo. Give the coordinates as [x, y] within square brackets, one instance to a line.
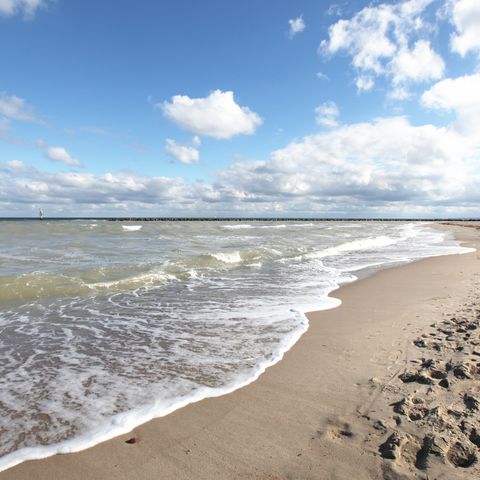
[132, 228]
[227, 257]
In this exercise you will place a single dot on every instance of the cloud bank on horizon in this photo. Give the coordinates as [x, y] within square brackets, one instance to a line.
[393, 128]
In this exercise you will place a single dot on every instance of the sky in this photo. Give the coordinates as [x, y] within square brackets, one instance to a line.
[240, 108]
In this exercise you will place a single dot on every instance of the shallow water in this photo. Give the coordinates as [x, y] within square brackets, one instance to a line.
[105, 325]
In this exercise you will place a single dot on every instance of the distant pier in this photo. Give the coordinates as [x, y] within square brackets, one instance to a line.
[282, 219]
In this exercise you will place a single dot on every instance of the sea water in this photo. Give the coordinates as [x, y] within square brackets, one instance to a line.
[105, 325]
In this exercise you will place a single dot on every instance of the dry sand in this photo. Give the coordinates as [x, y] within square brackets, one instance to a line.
[385, 386]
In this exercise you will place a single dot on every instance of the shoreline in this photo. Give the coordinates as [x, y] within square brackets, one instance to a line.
[230, 432]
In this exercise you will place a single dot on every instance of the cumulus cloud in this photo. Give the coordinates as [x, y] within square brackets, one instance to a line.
[59, 154]
[217, 115]
[419, 64]
[461, 95]
[454, 93]
[385, 162]
[386, 41]
[297, 25]
[334, 10]
[16, 108]
[183, 153]
[326, 114]
[74, 192]
[387, 167]
[364, 83]
[27, 8]
[16, 164]
[466, 18]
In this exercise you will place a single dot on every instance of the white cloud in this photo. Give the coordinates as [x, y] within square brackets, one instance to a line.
[380, 163]
[384, 167]
[15, 108]
[364, 83]
[217, 115]
[326, 114]
[27, 8]
[461, 95]
[399, 92]
[16, 164]
[466, 18]
[183, 153]
[297, 25]
[111, 193]
[322, 76]
[334, 10]
[418, 64]
[387, 40]
[454, 93]
[59, 154]
[387, 166]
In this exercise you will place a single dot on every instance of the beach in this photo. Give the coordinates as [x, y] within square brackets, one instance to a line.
[358, 396]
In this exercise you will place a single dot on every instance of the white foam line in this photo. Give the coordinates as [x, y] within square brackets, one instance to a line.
[131, 228]
[237, 227]
[227, 257]
[245, 226]
[123, 423]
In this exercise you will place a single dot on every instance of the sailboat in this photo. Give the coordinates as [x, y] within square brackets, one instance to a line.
[40, 214]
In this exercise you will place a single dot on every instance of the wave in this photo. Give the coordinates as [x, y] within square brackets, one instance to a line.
[355, 245]
[132, 228]
[232, 257]
[123, 423]
[297, 225]
[245, 226]
[248, 226]
[43, 285]
[36, 285]
[136, 281]
[237, 227]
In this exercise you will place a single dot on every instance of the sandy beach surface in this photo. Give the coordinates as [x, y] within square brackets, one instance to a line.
[385, 386]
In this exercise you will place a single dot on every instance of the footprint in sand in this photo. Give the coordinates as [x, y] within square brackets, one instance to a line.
[400, 446]
[337, 430]
[461, 455]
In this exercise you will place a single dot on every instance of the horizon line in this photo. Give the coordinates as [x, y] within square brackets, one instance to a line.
[249, 219]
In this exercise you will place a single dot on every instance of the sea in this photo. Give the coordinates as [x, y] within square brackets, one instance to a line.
[106, 325]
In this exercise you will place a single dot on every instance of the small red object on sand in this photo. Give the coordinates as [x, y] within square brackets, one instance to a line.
[132, 440]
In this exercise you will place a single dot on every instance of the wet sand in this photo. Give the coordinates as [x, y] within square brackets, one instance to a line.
[385, 386]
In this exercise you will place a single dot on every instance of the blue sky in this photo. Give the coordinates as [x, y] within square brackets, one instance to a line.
[240, 108]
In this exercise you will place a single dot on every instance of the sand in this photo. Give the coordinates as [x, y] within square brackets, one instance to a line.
[385, 386]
